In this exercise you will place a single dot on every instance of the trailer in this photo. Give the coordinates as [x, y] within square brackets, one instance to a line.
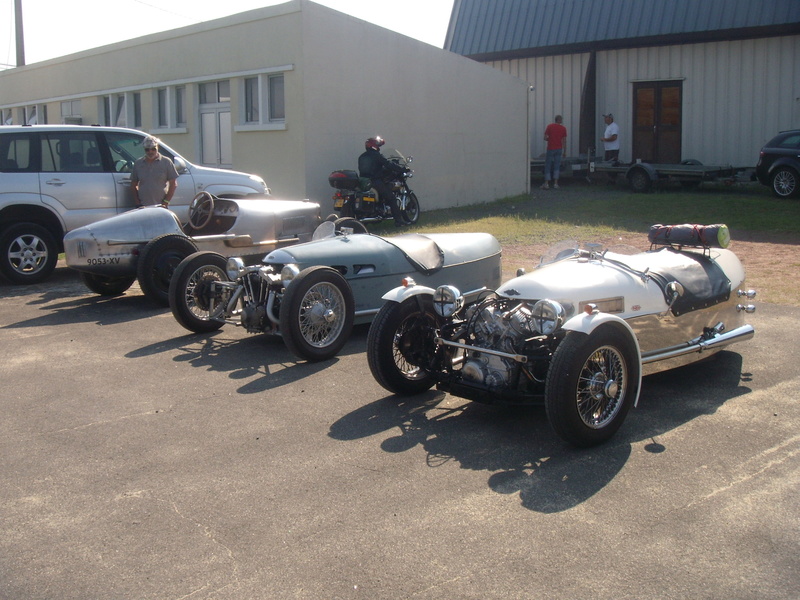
[642, 176]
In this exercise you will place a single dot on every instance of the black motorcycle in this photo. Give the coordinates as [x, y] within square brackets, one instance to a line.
[356, 198]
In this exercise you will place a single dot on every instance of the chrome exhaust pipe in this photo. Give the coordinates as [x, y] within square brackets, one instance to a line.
[740, 334]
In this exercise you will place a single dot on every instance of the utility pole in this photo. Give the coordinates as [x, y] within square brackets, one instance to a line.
[19, 34]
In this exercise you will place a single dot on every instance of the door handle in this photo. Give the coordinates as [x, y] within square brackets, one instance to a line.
[55, 182]
[124, 181]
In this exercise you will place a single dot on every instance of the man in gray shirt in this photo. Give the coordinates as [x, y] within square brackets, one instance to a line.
[154, 177]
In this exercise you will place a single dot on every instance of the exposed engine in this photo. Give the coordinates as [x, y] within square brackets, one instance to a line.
[497, 325]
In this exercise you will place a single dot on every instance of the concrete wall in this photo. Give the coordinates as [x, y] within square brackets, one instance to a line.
[736, 95]
[466, 127]
[345, 80]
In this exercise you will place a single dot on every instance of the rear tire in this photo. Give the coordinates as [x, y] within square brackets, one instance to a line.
[157, 264]
[106, 285]
[28, 253]
[785, 182]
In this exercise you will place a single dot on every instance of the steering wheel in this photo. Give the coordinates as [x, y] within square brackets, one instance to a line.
[201, 210]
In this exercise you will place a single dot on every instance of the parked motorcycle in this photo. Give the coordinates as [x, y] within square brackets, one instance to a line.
[355, 197]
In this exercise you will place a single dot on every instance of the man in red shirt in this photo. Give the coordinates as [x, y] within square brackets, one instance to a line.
[555, 136]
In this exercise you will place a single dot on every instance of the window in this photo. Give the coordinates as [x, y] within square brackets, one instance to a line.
[277, 109]
[263, 103]
[180, 105]
[114, 110]
[31, 116]
[137, 110]
[251, 101]
[16, 154]
[70, 152]
[162, 119]
[7, 117]
[215, 92]
[71, 112]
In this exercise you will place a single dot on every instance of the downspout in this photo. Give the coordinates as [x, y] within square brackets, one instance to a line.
[588, 111]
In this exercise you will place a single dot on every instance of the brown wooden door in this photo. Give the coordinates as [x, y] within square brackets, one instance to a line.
[657, 121]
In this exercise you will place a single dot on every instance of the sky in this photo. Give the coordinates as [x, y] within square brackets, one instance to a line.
[55, 28]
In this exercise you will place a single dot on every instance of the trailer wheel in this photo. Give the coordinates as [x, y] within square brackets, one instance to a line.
[640, 181]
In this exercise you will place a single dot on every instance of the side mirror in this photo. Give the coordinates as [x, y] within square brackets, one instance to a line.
[180, 165]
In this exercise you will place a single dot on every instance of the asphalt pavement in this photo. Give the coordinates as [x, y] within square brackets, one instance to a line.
[139, 461]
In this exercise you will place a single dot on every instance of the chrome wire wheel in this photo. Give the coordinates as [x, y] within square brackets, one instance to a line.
[601, 387]
[321, 314]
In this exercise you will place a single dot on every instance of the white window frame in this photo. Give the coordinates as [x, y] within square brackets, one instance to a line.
[264, 122]
[171, 99]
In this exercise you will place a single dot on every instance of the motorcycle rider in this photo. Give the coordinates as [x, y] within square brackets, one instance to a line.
[375, 166]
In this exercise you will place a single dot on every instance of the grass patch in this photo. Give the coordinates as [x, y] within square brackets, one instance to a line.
[600, 210]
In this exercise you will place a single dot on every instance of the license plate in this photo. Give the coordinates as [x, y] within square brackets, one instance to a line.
[338, 203]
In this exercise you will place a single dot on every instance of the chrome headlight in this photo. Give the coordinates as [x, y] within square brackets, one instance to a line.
[548, 316]
[447, 300]
[288, 273]
[234, 268]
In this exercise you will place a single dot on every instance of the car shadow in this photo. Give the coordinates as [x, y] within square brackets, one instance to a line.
[261, 360]
[520, 452]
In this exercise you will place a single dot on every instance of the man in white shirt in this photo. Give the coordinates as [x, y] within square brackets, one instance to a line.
[610, 138]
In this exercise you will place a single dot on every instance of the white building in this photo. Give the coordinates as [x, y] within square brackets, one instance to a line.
[291, 92]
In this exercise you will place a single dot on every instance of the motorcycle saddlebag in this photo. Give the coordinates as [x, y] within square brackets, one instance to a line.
[345, 179]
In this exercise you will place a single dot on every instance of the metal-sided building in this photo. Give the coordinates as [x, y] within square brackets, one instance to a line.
[291, 92]
[710, 80]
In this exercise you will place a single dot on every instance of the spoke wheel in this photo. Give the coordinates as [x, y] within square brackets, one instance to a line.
[591, 385]
[196, 303]
[316, 313]
[28, 253]
[401, 346]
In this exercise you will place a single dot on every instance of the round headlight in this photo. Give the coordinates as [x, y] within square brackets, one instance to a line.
[548, 316]
[234, 267]
[288, 273]
[447, 300]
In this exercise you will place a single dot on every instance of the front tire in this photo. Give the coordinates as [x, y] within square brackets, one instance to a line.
[317, 313]
[106, 285]
[28, 253]
[401, 343]
[785, 183]
[591, 385]
[157, 264]
[193, 301]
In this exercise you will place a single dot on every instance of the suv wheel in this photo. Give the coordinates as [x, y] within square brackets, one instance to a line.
[785, 183]
[28, 253]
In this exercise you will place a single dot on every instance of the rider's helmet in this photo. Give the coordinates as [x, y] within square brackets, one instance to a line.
[374, 143]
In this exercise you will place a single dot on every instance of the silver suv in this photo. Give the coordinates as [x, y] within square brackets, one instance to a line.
[54, 178]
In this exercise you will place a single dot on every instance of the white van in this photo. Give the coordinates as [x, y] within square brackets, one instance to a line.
[54, 178]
